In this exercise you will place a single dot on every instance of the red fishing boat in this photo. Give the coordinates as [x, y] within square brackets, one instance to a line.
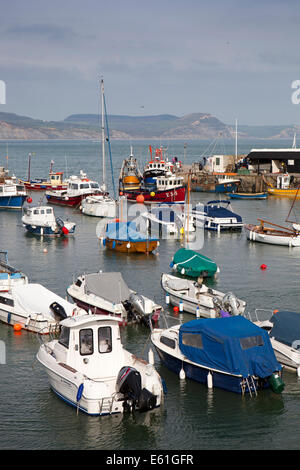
[55, 181]
[78, 189]
[159, 184]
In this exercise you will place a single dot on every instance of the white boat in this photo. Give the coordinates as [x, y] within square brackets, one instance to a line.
[88, 368]
[101, 205]
[229, 353]
[273, 234]
[34, 307]
[9, 276]
[108, 293]
[283, 328]
[217, 215]
[196, 298]
[41, 220]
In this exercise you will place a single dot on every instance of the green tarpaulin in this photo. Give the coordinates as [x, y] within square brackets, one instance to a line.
[193, 264]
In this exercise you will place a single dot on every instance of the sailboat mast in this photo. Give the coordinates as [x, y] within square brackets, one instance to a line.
[236, 140]
[103, 136]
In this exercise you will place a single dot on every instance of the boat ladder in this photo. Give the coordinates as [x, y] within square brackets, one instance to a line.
[105, 405]
[248, 383]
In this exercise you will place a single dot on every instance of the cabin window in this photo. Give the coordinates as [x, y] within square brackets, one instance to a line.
[64, 337]
[74, 186]
[42, 211]
[94, 185]
[49, 211]
[84, 186]
[251, 342]
[20, 188]
[36, 212]
[104, 338]
[86, 342]
[78, 283]
[168, 342]
[191, 339]
[4, 300]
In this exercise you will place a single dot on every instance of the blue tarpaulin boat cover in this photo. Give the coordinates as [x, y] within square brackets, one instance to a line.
[234, 345]
[286, 327]
[126, 231]
[216, 209]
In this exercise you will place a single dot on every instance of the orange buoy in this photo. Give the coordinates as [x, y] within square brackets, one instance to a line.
[263, 266]
[275, 311]
[17, 327]
[140, 198]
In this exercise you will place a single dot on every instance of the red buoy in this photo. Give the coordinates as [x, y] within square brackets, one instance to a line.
[140, 198]
[263, 266]
[176, 309]
[65, 231]
[29, 200]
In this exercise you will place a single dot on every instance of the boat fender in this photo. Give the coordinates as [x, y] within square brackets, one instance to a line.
[79, 393]
[151, 357]
[276, 383]
[209, 380]
[182, 374]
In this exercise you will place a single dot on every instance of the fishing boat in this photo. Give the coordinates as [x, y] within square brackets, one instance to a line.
[108, 294]
[283, 328]
[101, 205]
[55, 181]
[79, 187]
[12, 193]
[248, 195]
[130, 175]
[124, 237]
[159, 184]
[41, 220]
[9, 276]
[33, 307]
[88, 368]
[217, 215]
[193, 264]
[196, 298]
[228, 353]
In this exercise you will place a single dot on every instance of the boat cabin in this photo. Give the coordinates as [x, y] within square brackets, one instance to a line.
[168, 183]
[56, 179]
[44, 213]
[90, 344]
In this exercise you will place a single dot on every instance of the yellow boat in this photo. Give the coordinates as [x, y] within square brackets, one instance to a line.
[284, 192]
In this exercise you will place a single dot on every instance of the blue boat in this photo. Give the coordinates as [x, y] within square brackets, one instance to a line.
[229, 353]
[248, 195]
[12, 195]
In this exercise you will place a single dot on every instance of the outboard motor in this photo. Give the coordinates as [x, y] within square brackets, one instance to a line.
[129, 383]
[231, 303]
[58, 311]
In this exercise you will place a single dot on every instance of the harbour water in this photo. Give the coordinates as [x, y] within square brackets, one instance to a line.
[192, 417]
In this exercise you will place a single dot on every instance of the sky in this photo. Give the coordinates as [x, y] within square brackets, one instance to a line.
[234, 59]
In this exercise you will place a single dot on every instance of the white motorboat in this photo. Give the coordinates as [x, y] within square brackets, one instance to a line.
[169, 220]
[196, 298]
[108, 293]
[217, 215]
[79, 187]
[42, 221]
[100, 206]
[88, 368]
[34, 307]
[12, 193]
[283, 328]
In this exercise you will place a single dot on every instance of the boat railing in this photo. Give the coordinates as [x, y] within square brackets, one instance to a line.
[259, 314]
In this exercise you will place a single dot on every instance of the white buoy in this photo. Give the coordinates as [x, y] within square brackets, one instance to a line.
[209, 380]
[167, 299]
[180, 306]
[197, 312]
[298, 371]
[182, 374]
[45, 250]
[128, 245]
[151, 357]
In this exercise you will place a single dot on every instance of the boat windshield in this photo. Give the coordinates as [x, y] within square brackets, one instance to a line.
[104, 338]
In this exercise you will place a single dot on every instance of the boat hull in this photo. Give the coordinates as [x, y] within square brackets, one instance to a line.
[70, 201]
[34, 324]
[46, 231]
[248, 195]
[131, 247]
[12, 202]
[173, 196]
[284, 192]
[231, 383]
